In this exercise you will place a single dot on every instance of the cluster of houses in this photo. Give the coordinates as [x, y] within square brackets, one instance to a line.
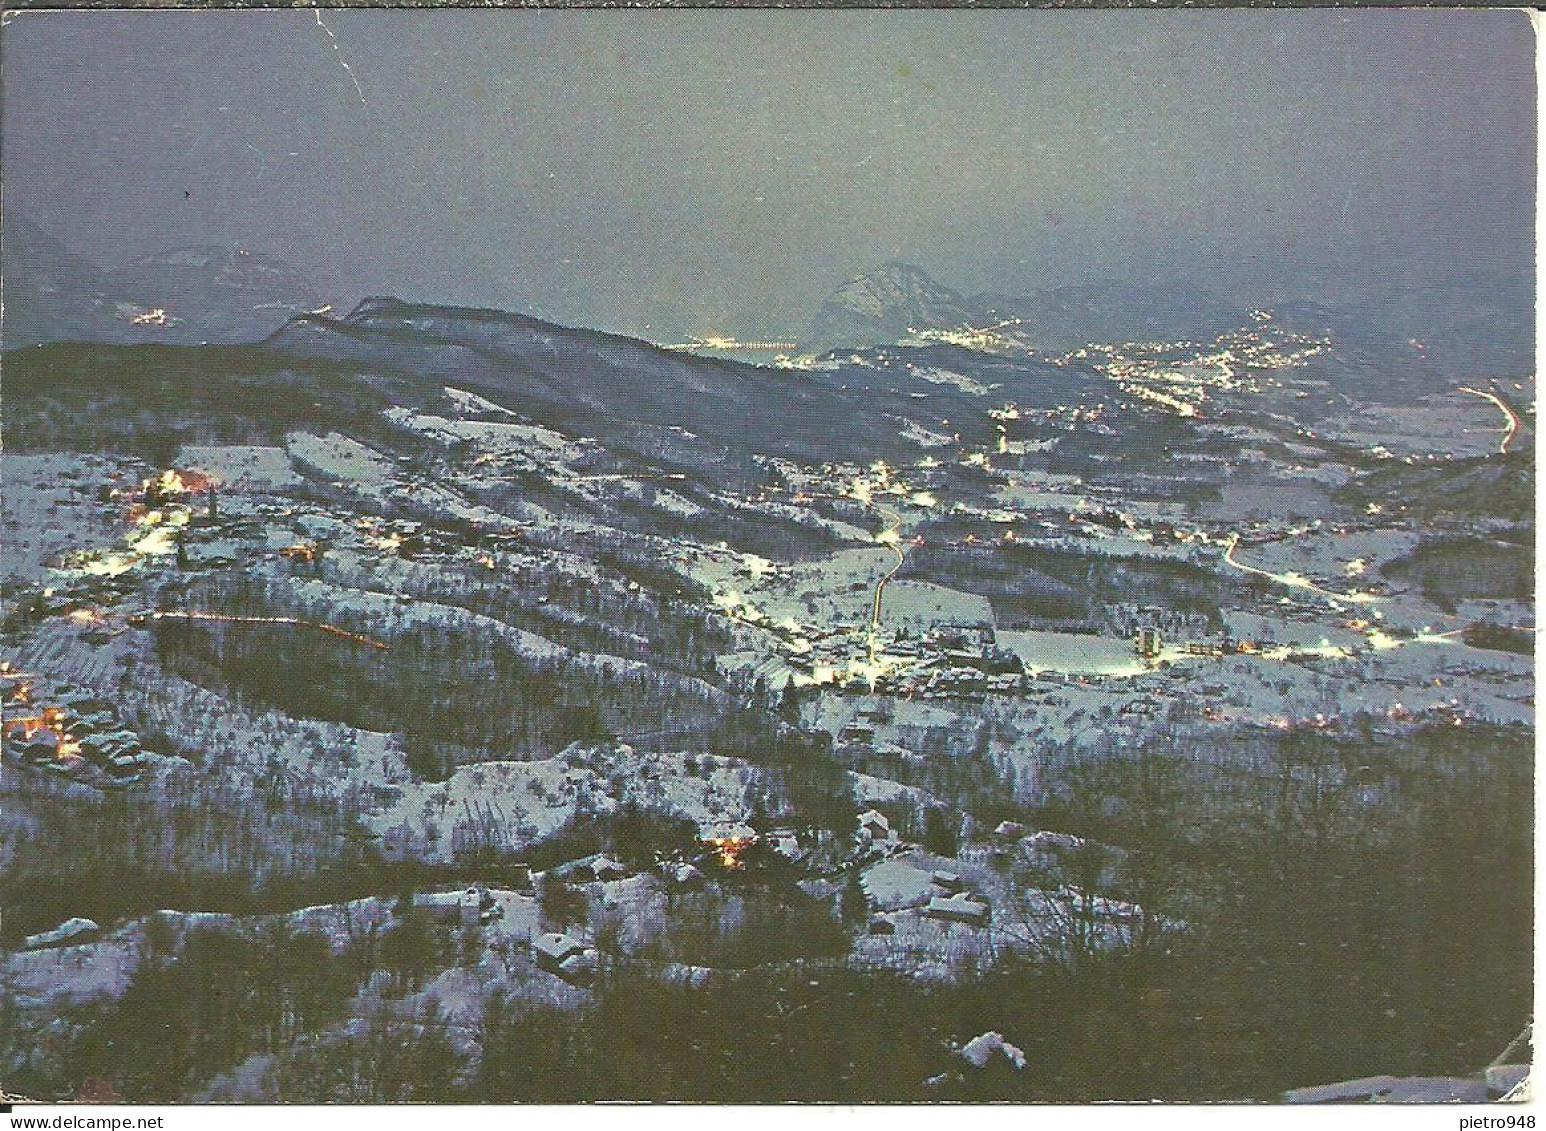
[946, 896]
[79, 597]
[570, 958]
[965, 683]
[79, 730]
[874, 830]
[951, 663]
[725, 844]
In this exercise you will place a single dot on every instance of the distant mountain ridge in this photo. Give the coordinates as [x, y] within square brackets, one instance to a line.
[638, 400]
[897, 302]
[580, 380]
[1466, 325]
[185, 295]
[883, 306]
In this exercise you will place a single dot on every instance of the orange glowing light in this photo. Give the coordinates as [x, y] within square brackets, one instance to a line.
[24, 727]
[296, 622]
[728, 851]
[46, 724]
[174, 482]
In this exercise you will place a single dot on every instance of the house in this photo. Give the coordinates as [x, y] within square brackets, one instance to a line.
[70, 932]
[606, 868]
[18, 730]
[687, 877]
[950, 881]
[569, 958]
[721, 831]
[873, 825]
[1049, 840]
[579, 969]
[114, 750]
[857, 733]
[680, 974]
[123, 759]
[464, 907]
[786, 842]
[1009, 830]
[728, 840]
[551, 949]
[592, 868]
[960, 908]
[1114, 910]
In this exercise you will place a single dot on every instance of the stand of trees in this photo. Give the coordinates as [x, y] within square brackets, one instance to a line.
[192, 844]
[197, 1009]
[659, 622]
[1353, 906]
[1346, 909]
[452, 685]
[152, 399]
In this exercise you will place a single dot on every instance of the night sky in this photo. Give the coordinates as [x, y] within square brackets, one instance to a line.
[665, 173]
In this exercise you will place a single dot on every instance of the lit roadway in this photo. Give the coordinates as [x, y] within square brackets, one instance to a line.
[1293, 580]
[1508, 414]
[331, 629]
[891, 538]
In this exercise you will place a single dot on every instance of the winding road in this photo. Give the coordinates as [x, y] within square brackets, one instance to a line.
[1512, 428]
[894, 544]
[1294, 580]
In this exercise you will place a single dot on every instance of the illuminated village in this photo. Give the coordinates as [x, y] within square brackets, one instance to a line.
[580, 704]
[958, 558]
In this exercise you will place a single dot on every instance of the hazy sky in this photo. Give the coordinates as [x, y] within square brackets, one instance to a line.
[663, 173]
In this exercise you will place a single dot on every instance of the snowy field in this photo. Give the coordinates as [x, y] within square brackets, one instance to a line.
[1070, 652]
[337, 457]
[1456, 426]
[497, 437]
[49, 508]
[517, 803]
[242, 466]
[921, 606]
[836, 592]
[1339, 560]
